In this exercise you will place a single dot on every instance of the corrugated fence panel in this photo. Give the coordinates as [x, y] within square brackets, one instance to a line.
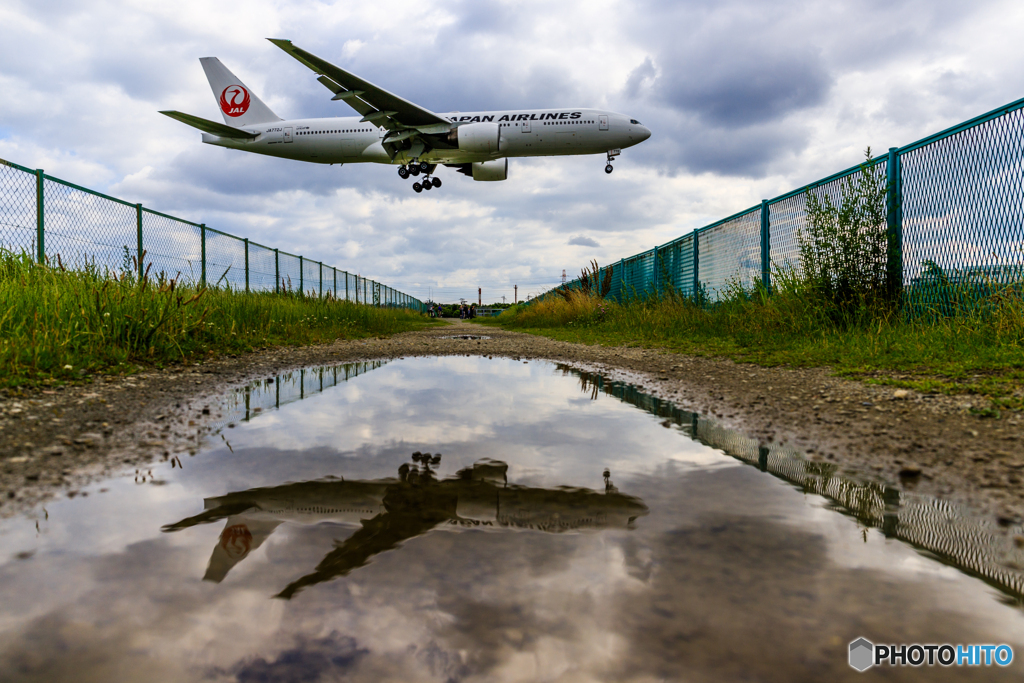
[730, 253]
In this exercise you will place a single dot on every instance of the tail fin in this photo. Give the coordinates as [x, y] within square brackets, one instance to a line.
[237, 103]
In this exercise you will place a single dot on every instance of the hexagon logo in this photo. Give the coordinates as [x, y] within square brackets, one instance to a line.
[862, 654]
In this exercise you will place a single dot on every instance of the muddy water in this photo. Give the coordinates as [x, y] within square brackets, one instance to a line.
[468, 519]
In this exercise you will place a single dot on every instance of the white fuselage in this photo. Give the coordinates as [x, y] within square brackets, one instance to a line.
[523, 133]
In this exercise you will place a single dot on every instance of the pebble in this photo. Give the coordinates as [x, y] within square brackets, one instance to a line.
[900, 394]
[910, 471]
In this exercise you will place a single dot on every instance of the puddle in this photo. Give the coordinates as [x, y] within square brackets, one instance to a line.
[467, 519]
[465, 336]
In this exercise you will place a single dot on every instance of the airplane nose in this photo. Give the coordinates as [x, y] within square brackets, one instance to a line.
[645, 133]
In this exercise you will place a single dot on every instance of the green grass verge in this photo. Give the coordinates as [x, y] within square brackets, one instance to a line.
[64, 325]
[978, 351]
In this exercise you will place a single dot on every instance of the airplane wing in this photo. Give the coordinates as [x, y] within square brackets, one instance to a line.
[212, 127]
[409, 124]
[375, 103]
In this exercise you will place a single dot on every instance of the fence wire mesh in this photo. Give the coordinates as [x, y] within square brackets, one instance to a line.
[88, 229]
[173, 248]
[963, 211]
[954, 225]
[52, 220]
[730, 254]
[17, 208]
[262, 268]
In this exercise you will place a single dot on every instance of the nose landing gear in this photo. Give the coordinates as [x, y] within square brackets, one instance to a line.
[612, 153]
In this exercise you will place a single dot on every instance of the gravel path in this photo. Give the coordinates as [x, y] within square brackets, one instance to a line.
[52, 442]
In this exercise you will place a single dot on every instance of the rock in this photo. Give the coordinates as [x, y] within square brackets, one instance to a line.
[910, 471]
[88, 439]
[901, 394]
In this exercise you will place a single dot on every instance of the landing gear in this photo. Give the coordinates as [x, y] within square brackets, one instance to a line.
[612, 153]
[415, 169]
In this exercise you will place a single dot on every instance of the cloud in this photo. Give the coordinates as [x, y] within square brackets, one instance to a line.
[582, 241]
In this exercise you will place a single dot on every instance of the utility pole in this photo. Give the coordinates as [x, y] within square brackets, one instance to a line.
[479, 296]
[502, 299]
[563, 276]
[517, 294]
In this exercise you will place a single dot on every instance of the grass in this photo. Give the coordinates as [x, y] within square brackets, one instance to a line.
[975, 348]
[60, 325]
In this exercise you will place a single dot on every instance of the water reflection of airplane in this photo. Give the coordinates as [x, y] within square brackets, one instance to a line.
[391, 511]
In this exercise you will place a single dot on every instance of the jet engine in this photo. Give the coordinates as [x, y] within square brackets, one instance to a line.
[482, 138]
[491, 170]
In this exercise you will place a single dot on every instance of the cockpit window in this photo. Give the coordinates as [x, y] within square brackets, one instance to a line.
[635, 122]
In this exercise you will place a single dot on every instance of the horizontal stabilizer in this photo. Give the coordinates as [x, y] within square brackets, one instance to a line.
[211, 127]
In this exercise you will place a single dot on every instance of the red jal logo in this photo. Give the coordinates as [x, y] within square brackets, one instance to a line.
[236, 541]
[234, 101]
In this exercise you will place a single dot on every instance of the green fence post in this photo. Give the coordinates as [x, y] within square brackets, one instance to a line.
[246, 265]
[346, 284]
[766, 272]
[40, 219]
[321, 279]
[138, 229]
[894, 225]
[301, 273]
[335, 290]
[696, 266]
[202, 239]
[277, 271]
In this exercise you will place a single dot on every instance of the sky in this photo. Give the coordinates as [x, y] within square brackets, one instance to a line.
[745, 100]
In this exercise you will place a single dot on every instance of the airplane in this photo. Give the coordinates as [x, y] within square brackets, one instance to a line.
[392, 130]
[391, 511]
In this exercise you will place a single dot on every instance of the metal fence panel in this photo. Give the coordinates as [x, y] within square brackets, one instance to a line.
[17, 209]
[963, 210]
[225, 260]
[730, 253]
[173, 249]
[262, 268]
[86, 228]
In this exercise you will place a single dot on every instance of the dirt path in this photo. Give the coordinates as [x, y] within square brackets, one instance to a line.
[52, 442]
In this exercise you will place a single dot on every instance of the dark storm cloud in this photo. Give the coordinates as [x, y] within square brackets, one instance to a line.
[732, 86]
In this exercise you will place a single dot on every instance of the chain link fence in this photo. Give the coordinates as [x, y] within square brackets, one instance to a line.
[955, 223]
[64, 224]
